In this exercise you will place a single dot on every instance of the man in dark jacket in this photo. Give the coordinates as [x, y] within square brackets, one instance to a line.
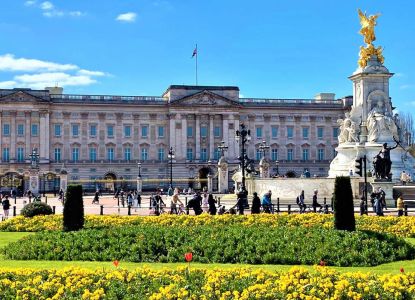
[196, 204]
[256, 204]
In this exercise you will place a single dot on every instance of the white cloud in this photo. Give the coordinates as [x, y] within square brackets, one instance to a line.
[91, 73]
[47, 5]
[406, 86]
[76, 13]
[53, 13]
[9, 63]
[40, 81]
[7, 84]
[30, 3]
[127, 17]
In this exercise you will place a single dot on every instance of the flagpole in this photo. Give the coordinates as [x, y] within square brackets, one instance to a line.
[196, 63]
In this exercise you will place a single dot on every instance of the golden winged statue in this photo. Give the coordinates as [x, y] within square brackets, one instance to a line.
[368, 24]
[368, 27]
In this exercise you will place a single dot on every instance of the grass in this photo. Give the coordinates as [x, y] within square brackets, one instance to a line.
[7, 237]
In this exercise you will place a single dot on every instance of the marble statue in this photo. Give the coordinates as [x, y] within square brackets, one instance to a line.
[378, 121]
[349, 131]
[382, 162]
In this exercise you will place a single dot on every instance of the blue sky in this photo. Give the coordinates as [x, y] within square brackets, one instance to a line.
[270, 49]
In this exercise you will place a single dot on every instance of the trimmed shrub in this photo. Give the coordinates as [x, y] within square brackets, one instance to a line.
[73, 209]
[343, 204]
[36, 209]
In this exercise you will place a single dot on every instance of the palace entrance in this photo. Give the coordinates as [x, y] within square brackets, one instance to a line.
[110, 180]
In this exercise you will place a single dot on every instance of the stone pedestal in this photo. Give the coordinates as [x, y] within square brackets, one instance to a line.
[222, 175]
[264, 168]
[209, 183]
[34, 181]
[63, 180]
[139, 184]
[387, 187]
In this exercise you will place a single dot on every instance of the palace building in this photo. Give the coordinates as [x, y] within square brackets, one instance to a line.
[96, 137]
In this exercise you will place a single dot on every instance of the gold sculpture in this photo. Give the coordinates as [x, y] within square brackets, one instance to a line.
[368, 31]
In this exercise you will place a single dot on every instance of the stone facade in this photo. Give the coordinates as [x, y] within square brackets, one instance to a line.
[103, 137]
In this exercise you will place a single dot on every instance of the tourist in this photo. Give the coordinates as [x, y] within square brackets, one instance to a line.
[362, 206]
[6, 206]
[266, 202]
[240, 203]
[195, 203]
[122, 198]
[256, 204]
[175, 201]
[315, 202]
[137, 200]
[382, 195]
[29, 195]
[96, 198]
[404, 178]
[400, 205]
[212, 205]
[130, 199]
[300, 202]
[205, 203]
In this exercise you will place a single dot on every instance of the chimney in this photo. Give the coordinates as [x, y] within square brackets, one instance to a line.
[57, 90]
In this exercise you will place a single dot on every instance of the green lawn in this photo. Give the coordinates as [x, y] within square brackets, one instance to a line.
[7, 237]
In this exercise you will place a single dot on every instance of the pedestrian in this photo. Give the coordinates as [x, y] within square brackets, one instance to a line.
[96, 198]
[382, 198]
[137, 201]
[29, 195]
[256, 204]
[122, 198]
[205, 203]
[195, 203]
[240, 203]
[378, 206]
[315, 202]
[362, 206]
[404, 178]
[6, 206]
[266, 202]
[175, 201]
[300, 202]
[212, 205]
[130, 199]
[400, 205]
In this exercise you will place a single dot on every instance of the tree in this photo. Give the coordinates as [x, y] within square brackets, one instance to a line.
[343, 204]
[73, 210]
[406, 124]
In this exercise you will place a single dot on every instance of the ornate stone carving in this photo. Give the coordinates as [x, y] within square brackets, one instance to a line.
[349, 130]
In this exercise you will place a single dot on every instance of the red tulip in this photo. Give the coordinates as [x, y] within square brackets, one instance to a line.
[116, 263]
[402, 270]
[188, 256]
[322, 263]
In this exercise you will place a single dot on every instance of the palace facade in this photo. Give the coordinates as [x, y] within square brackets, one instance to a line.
[104, 137]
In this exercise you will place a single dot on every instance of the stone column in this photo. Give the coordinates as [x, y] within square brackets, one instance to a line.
[211, 137]
[222, 175]
[225, 130]
[197, 134]
[209, 183]
[139, 184]
[47, 136]
[183, 140]
[236, 150]
[42, 134]
[172, 131]
[1, 135]
[13, 134]
[28, 133]
[34, 181]
[63, 180]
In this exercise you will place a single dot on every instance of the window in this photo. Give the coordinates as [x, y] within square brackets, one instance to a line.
[6, 156]
[57, 154]
[305, 132]
[305, 154]
[258, 154]
[58, 129]
[274, 154]
[161, 154]
[75, 130]
[203, 131]
[6, 129]
[75, 154]
[320, 132]
[290, 132]
[110, 131]
[259, 132]
[110, 153]
[127, 131]
[335, 132]
[160, 131]
[92, 154]
[144, 131]
[320, 154]
[189, 131]
[217, 132]
[203, 154]
[290, 154]
[93, 130]
[35, 130]
[217, 154]
[274, 132]
[144, 154]
[127, 153]
[189, 154]
[20, 129]
[20, 154]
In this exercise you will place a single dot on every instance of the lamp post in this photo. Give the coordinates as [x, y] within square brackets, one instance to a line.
[263, 147]
[222, 148]
[277, 164]
[244, 136]
[139, 169]
[171, 157]
[34, 158]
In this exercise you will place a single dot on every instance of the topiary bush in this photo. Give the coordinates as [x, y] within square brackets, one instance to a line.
[343, 204]
[73, 209]
[36, 209]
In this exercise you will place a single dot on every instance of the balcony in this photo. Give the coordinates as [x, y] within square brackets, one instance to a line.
[108, 98]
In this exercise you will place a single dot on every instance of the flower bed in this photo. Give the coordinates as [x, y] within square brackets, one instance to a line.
[298, 283]
[258, 244]
[403, 226]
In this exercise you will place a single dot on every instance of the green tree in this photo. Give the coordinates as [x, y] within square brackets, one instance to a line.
[73, 210]
[343, 204]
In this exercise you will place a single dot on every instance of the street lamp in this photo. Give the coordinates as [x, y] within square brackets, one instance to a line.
[34, 158]
[263, 147]
[243, 135]
[277, 164]
[139, 169]
[222, 148]
[171, 157]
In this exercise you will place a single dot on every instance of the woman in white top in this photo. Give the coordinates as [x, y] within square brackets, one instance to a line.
[205, 202]
[175, 201]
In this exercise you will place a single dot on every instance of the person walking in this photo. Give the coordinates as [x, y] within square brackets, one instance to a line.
[137, 201]
[205, 202]
[378, 206]
[362, 206]
[300, 202]
[212, 205]
[315, 201]
[266, 202]
[6, 206]
[195, 203]
[96, 198]
[240, 203]
[175, 201]
[256, 204]
[400, 204]
[404, 178]
[130, 199]
[122, 198]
